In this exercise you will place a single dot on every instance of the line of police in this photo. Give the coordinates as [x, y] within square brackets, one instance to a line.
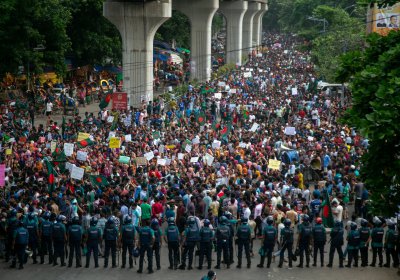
[51, 237]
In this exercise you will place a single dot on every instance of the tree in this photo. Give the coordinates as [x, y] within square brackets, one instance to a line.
[25, 24]
[176, 28]
[94, 39]
[374, 75]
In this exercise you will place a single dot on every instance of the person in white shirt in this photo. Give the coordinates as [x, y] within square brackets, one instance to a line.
[257, 217]
[49, 108]
[246, 211]
[337, 210]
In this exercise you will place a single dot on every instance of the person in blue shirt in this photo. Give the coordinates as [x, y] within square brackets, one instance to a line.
[315, 205]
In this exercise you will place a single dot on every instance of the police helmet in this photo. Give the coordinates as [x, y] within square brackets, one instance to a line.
[391, 225]
[110, 221]
[75, 220]
[136, 253]
[154, 224]
[223, 220]
[13, 213]
[207, 222]
[127, 220]
[20, 223]
[93, 221]
[364, 223]
[171, 221]
[46, 215]
[191, 220]
[287, 223]
[31, 215]
[319, 220]
[353, 226]
[244, 220]
[270, 220]
[61, 218]
[228, 215]
[306, 218]
[211, 274]
[338, 224]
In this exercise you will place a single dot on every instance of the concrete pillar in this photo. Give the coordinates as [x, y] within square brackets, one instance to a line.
[200, 13]
[233, 12]
[257, 25]
[137, 24]
[253, 9]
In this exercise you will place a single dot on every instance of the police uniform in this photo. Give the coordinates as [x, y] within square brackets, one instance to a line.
[32, 227]
[319, 237]
[172, 235]
[352, 247]
[192, 235]
[336, 244]
[75, 239]
[128, 239]
[223, 236]
[270, 234]
[93, 237]
[12, 223]
[58, 235]
[110, 236]
[390, 244]
[243, 238]
[157, 244]
[21, 240]
[287, 241]
[206, 237]
[305, 232]
[377, 244]
[146, 239]
[365, 234]
[46, 244]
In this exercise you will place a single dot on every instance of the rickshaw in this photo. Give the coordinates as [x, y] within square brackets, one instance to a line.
[70, 105]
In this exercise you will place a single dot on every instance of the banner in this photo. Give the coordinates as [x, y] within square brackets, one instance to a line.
[2, 175]
[114, 143]
[274, 164]
[385, 19]
[120, 101]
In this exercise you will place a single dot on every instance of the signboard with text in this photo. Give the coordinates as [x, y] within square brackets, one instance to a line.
[120, 101]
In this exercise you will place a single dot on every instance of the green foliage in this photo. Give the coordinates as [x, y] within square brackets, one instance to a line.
[25, 24]
[374, 75]
[176, 28]
[94, 39]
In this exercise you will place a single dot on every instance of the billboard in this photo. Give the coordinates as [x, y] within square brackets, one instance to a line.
[385, 19]
[120, 101]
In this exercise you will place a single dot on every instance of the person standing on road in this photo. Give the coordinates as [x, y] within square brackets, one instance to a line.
[365, 237]
[171, 236]
[223, 234]
[46, 244]
[319, 238]
[353, 240]
[377, 242]
[206, 238]
[391, 238]
[243, 234]
[75, 239]
[146, 241]
[155, 226]
[59, 236]
[305, 234]
[191, 235]
[127, 239]
[336, 244]
[270, 236]
[20, 241]
[287, 243]
[110, 236]
[93, 238]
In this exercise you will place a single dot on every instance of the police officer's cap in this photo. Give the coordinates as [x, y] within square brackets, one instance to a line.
[211, 274]
[338, 224]
[110, 221]
[207, 222]
[46, 215]
[154, 223]
[13, 213]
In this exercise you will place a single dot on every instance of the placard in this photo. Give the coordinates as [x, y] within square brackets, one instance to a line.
[218, 95]
[114, 143]
[242, 145]
[120, 101]
[149, 156]
[81, 155]
[77, 173]
[209, 159]
[2, 175]
[233, 90]
[294, 91]
[161, 161]
[254, 127]
[68, 149]
[128, 138]
[69, 166]
[274, 164]
[53, 146]
[141, 161]
[188, 148]
[8, 152]
[124, 159]
[310, 138]
[196, 140]
[156, 135]
[290, 130]
[180, 156]
[216, 144]
[110, 119]
[194, 159]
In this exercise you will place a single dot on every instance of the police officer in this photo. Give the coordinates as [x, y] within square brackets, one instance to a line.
[287, 242]
[319, 238]
[305, 234]
[155, 226]
[171, 236]
[336, 243]
[231, 225]
[353, 244]
[206, 238]
[110, 236]
[93, 238]
[270, 236]
[223, 234]
[59, 237]
[45, 232]
[191, 235]
[32, 227]
[146, 241]
[243, 235]
[377, 242]
[390, 244]
[127, 239]
[75, 239]
[12, 224]
[365, 237]
[20, 241]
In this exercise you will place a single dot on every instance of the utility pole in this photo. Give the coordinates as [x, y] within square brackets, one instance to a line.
[323, 20]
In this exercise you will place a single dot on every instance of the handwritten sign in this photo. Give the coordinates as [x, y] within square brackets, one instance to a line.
[254, 127]
[161, 161]
[216, 144]
[77, 173]
[209, 159]
[274, 164]
[128, 138]
[141, 161]
[149, 156]
[124, 159]
[68, 149]
[81, 155]
[114, 143]
[194, 159]
[290, 130]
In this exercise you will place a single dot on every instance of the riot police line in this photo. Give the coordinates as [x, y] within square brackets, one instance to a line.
[46, 236]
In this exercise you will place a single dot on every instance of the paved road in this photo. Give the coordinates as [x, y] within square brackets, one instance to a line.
[47, 272]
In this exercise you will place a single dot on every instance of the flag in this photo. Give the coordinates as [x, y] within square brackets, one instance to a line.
[201, 118]
[98, 180]
[52, 174]
[84, 143]
[205, 90]
[246, 114]
[226, 130]
[105, 101]
[215, 125]
[63, 125]
[59, 159]
[327, 217]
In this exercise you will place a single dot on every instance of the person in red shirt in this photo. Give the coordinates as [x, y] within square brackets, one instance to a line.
[157, 209]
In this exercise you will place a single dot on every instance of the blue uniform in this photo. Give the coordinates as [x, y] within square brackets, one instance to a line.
[93, 236]
[146, 237]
